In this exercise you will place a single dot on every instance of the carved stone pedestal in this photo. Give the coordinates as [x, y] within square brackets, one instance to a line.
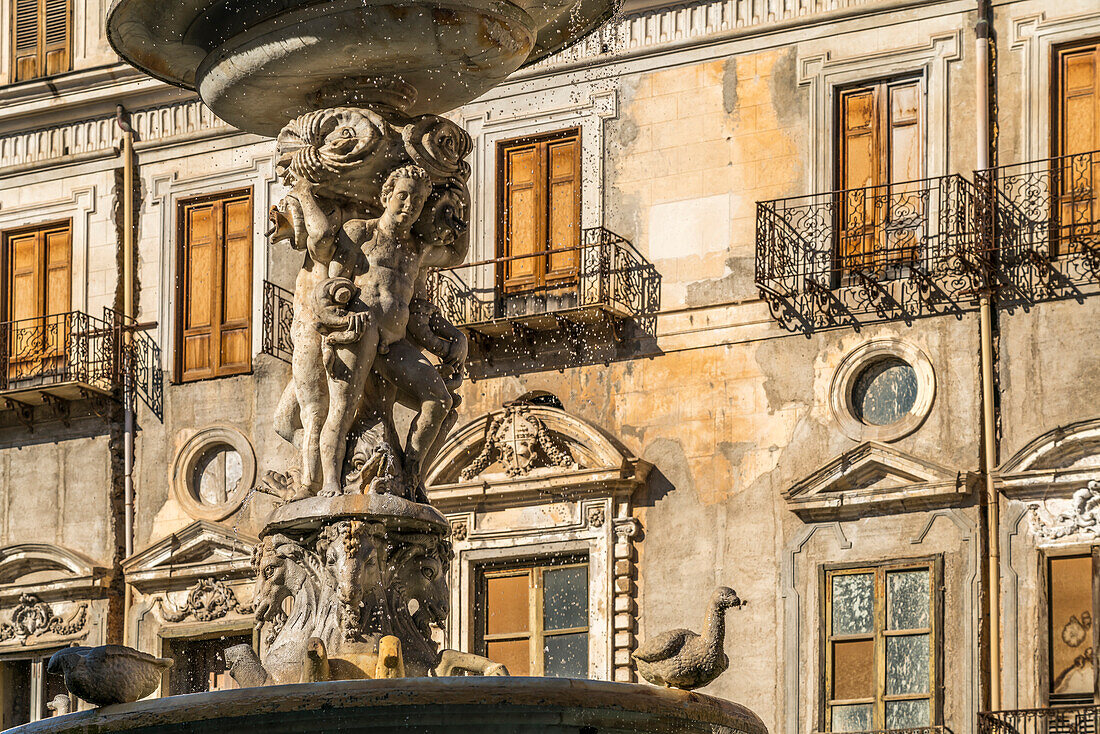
[349, 570]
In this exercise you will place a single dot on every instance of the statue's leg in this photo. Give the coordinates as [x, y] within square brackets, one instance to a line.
[311, 392]
[344, 397]
[407, 369]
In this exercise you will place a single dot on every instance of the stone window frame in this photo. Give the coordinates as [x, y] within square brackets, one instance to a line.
[188, 455]
[586, 105]
[849, 371]
[167, 191]
[826, 76]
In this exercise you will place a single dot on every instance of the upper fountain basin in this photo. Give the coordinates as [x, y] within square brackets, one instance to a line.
[259, 63]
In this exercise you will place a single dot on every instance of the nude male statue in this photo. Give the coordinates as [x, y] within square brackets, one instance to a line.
[385, 268]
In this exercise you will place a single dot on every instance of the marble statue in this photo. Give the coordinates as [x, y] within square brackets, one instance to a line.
[681, 658]
[108, 674]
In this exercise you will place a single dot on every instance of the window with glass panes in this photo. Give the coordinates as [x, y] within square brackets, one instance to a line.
[200, 663]
[1073, 598]
[25, 688]
[534, 618]
[880, 631]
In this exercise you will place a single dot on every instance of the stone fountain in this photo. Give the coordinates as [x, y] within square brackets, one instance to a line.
[352, 564]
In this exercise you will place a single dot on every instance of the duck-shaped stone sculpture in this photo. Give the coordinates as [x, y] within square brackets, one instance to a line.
[108, 674]
[682, 659]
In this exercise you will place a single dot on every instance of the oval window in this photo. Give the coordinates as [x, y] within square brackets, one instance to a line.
[884, 392]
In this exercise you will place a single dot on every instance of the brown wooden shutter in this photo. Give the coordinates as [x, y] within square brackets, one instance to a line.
[860, 168]
[56, 37]
[39, 285]
[236, 299]
[904, 211]
[523, 227]
[1077, 131]
[25, 42]
[564, 208]
[216, 288]
[540, 211]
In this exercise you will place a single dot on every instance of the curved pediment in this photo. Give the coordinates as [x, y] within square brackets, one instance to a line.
[1056, 463]
[527, 447]
[38, 563]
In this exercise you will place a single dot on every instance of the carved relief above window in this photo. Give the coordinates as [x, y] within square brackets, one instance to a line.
[529, 488]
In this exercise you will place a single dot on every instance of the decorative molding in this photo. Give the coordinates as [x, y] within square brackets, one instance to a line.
[1033, 36]
[207, 600]
[33, 618]
[200, 550]
[594, 516]
[876, 479]
[852, 366]
[824, 74]
[520, 442]
[1074, 519]
[84, 139]
[186, 459]
[1055, 465]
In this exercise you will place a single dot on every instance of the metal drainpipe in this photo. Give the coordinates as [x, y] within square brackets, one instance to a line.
[125, 337]
[982, 32]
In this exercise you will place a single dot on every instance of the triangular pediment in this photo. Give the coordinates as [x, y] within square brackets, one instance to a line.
[875, 479]
[201, 548]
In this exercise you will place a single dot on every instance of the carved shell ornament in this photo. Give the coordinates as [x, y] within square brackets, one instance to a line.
[207, 600]
[438, 146]
[325, 144]
[33, 617]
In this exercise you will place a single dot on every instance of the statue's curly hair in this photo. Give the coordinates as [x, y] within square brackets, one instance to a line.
[415, 173]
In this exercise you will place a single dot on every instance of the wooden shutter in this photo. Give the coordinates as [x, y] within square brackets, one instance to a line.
[42, 38]
[39, 285]
[1077, 130]
[563, 158]
[215, 287]
[881, 150]
[523, 228]
[540, 211]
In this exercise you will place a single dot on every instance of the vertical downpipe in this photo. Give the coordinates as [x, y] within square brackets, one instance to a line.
[125, 335]
[983, 32]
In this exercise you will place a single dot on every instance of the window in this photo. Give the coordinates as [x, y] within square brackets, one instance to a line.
[534, 618]
[25, 689]
[215, 287]
[881, 653]
[200, 663]
[880, 157]
[1071, 607]
[1076, 128]
[42, 38]
[539, 200]
[37, 287]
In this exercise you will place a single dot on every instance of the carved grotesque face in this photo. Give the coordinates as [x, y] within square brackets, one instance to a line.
[445, 217]
[271, 582]
[424, 578]
[405, 202]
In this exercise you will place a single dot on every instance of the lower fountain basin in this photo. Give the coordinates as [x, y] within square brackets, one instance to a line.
[437, 705]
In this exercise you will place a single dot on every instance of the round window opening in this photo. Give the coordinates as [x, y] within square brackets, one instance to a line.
[884, 392]
[217, 474]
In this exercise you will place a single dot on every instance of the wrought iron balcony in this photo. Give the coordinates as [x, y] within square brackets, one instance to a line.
[514, 308]
[1052, 720]
[278, 318]
[898, 251]
[54, 360]
[1040, 225]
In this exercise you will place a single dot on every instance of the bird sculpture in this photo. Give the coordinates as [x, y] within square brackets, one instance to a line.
[682, 659]
[108, 674]
[60, 705]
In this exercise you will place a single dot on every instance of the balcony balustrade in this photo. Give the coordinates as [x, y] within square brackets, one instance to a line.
[573, 297]
[1051, 720]
[278, 318]
[1040, 227]
[896, 251]
[56, 359]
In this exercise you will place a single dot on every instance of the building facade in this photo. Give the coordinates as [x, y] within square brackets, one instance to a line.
[755, 299]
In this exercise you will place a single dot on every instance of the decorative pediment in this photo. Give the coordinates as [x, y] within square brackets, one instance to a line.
[874, 479]
[1058, 463]
[201, 550]
[530, 449]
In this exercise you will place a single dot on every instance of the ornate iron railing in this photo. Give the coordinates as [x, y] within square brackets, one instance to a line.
[70, 347]
[138, 355]
[1052, 720]
[605, 272]
[1040, 226]
[278, 319]
[914, 730]
[901, 250]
